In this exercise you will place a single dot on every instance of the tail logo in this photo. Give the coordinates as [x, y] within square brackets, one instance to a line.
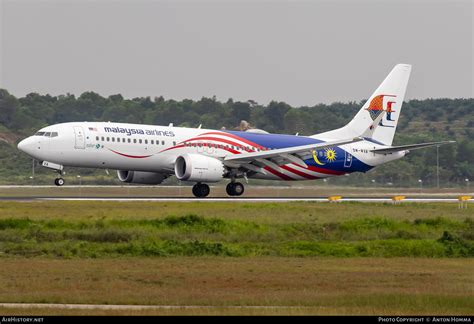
[376, 107]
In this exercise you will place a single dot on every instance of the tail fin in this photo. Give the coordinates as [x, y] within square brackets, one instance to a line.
[387, 98]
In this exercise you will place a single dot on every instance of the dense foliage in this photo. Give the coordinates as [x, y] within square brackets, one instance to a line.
[421, 121]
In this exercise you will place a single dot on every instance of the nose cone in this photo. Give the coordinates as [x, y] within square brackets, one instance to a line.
[22, 145]
[27, 146]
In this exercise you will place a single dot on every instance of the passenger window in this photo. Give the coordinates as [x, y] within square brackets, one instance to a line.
[129, 140]
[174, 143]
[135, 140]
[162, 142]
[140, 141]
[146, 141]
[152, 142]
[102, 138]
[113, 139]
[97, 138]
[123, 140]
[108, 139]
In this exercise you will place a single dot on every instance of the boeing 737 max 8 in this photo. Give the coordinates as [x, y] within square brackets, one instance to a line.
[148, 154]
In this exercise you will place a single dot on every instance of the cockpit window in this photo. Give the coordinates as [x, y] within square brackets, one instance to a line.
[47, 134]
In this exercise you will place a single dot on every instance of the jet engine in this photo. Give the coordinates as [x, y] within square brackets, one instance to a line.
[141, 177]
[199, 168]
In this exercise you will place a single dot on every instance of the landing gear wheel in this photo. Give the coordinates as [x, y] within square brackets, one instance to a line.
[235, 189]
[230, 188]
[59, 182]
[238, 189]
[201, 190]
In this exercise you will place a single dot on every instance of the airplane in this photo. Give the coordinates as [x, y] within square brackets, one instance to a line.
[148, 154]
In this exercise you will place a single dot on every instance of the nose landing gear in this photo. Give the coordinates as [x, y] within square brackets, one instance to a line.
[59, 182]
[234, 189]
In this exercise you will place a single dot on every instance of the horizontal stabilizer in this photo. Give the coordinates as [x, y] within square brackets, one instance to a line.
[409, 147]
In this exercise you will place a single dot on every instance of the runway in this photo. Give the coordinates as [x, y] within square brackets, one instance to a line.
[226, 199]
[136, 307]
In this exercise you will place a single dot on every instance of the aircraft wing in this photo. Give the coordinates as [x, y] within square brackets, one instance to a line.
[408, 147]
[254, 161]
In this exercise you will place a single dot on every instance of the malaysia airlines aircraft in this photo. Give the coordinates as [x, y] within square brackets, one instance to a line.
[148, 154]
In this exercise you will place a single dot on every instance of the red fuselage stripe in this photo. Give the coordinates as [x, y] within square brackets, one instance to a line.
[298, 172]
[279, 174]
[131, 156]
[325, 171]
[235, 137]
[217, 139]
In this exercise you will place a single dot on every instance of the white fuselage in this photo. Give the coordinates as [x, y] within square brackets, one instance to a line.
[155, 148]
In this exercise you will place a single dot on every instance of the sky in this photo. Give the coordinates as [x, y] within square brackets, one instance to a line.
[299, 52]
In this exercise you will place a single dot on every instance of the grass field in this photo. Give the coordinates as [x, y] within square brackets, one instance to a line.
[318, 258]
[317, 285]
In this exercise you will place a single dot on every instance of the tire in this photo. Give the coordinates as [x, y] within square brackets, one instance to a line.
[201, 190]
[238, 189]
[56, 182]
[205, 190]
[60, 182]
[196, 190]
[235, 189]
[230, 188]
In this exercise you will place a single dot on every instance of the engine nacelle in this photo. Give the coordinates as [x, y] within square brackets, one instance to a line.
[141, 177]
[199, 168]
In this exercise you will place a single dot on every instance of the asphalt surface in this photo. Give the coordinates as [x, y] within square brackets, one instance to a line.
[224, 199]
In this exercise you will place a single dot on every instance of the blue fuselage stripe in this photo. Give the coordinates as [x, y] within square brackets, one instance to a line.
[278, 141]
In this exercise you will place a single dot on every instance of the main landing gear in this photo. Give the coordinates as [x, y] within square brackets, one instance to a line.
[201, 190]
[235, 189]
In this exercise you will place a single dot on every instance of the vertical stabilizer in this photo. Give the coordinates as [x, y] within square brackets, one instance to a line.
[387, 98]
